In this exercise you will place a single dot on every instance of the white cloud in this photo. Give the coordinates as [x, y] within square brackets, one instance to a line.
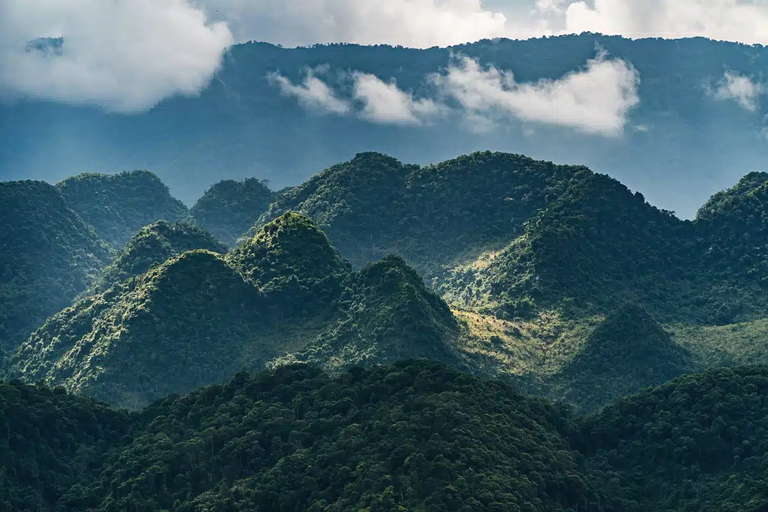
[594, 100]
[415, 23]
[741, 89]
[123, 55]
[745, 21]
[550, 6]
[313, 94]
[385, 103]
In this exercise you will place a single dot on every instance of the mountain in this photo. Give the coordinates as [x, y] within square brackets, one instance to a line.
[735, 223]
[229, 208]
[414, 435]
[597, 245]
[200, 317]
[152, 246]
[695, 443]
[47, 256]
[432, 216]
[627, 352]
[680, 143]
[117, 206]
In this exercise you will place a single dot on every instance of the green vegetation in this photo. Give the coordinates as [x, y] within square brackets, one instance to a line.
[119, 205]
[599, 245]
[199, 317]
[152, 246]
[229, 208]
[47, 256]
[410, 436]
[432, 216]
[627, 352]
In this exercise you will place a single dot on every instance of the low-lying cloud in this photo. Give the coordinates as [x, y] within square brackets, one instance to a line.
[384, 103]
[312, 93]
[122, 55]
[741, 89]
[594, 100]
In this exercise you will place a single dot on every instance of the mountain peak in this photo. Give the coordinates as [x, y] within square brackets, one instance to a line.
[152, 246]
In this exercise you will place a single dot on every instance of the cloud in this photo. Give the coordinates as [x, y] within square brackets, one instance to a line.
[593, 100]
[385, 103]
[313, 93]
[122, 55]
[415, 23]
[745, 21]
[741, 89]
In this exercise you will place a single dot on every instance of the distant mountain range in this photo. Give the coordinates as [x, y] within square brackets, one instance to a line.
[684, 140]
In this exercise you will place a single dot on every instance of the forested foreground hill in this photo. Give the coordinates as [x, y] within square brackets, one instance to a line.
[411, 436]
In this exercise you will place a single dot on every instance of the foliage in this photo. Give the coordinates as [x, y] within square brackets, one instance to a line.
[696, 443]
[229, 208]
[432, 216]
[50, 443]
[410, 436]
[47, 256]
[200, 317]
[735, 224]
[119, 205]
[152, 246]
[627, 352]
[598, 245]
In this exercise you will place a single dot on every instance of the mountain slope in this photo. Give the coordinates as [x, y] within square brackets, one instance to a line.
[47, 256]
[433, 216]
[199, 317]
[229, 208]
[117, 206]
[627, 352]
[598, 245]
[152, 246]
[415, 435]
[735, 224]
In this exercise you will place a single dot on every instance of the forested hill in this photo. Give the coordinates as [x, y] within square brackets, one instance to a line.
[284, 296]
[118, 206]
[680, 145]
[47, 256]
[410, 436]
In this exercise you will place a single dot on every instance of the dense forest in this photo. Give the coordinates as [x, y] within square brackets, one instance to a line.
[491, 332]
[409, 436]
[554, 278]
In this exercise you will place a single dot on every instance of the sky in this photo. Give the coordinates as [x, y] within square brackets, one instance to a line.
[125, 56]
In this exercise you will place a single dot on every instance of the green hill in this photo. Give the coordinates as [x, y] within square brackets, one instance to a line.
[119, 205]
[47, 256]
[229, 208]
[432, 216]
[199, 317]
[598, 245]
[627, 352]
[736, 228]
[410, 436]
[152, 246]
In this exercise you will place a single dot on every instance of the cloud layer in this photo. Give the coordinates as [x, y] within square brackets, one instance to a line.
[122, 55]
[745, 21]
[595, 100]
